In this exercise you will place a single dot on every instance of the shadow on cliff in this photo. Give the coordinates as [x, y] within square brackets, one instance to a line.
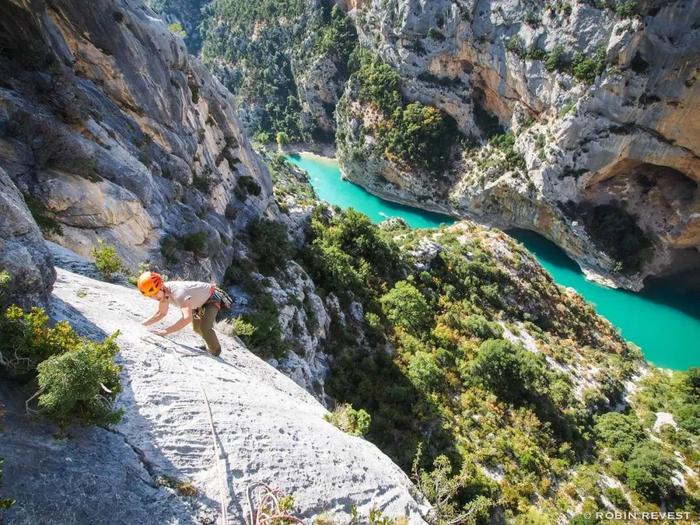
[95, 475]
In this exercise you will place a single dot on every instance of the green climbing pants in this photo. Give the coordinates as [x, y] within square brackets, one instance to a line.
[203, 320]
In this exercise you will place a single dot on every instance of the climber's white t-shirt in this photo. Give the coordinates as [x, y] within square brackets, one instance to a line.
[188, 293]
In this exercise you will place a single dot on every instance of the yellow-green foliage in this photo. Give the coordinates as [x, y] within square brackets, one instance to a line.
[347, 419]
[78, 380]
[183, 487]
[26, 339]
[242, 328]
[107, 260]
[80, 385]
[176, 27]
[455, 378]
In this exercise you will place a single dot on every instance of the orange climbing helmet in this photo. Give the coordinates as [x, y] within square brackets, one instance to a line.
[150, 283]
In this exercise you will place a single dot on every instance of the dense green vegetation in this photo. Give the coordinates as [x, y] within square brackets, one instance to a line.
[453, 363]
[75, 379]
[414, 135]
[259, 49]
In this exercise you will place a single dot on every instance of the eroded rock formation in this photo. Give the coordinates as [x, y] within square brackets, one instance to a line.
[114, 132]
[617, 147]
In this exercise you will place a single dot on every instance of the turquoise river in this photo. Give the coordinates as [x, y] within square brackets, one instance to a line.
[664, 321]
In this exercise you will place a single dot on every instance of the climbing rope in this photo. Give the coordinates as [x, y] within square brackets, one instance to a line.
[218, 451]
[264, 506]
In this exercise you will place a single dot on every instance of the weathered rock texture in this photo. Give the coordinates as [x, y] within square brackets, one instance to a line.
[23, 254]
[117, 134]
[630, 140]
[269, 429]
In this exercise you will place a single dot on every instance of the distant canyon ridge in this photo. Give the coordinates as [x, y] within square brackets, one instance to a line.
[578, 120]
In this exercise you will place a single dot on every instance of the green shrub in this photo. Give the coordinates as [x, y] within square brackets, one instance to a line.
[587, 68]
[510, 371]
[626, 8]
[77, 377]
[531, 18]
[242, 328]
[107, 260]
[691, 383]
[650, 471]
[420, 136]
[246, 185]
[379, 83]
[556, 59]
[515, 45]
[26, 339]
[479, 326]
[348, 254]
[183, 487]
[5, 280]
[620, 433]
[80, 386]
[337, 38]
[347, 419]
[201, 183]
[415, 134]
[266, 338]
[443, 488]
[617, 497]
[406, 307]
[424, 372]
[435, 34]
[281, 138]
[194, 242]
[270, 244]
[512, 158]
[176, 28]
[261, 137]
[688, 418]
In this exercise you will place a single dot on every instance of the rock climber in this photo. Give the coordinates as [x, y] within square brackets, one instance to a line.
[199, 302]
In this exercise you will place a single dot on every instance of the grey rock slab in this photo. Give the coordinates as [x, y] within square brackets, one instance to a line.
[269, 429]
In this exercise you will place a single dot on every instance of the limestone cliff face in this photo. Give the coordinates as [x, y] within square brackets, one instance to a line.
[266, 429]
[23, 254]
[113, 132]
[621, 143]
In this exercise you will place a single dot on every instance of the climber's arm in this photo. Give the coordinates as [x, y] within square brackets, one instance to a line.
[179, 325]
[162, 312]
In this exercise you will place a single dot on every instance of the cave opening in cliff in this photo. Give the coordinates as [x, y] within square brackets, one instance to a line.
[488, 123]
[616, 232]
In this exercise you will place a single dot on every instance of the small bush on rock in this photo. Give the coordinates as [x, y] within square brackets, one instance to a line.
[107, 260]
[78, 380]
[79, 386]
[347, 419]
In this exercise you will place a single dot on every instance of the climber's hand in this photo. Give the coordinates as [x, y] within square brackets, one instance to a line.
[159, 331]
